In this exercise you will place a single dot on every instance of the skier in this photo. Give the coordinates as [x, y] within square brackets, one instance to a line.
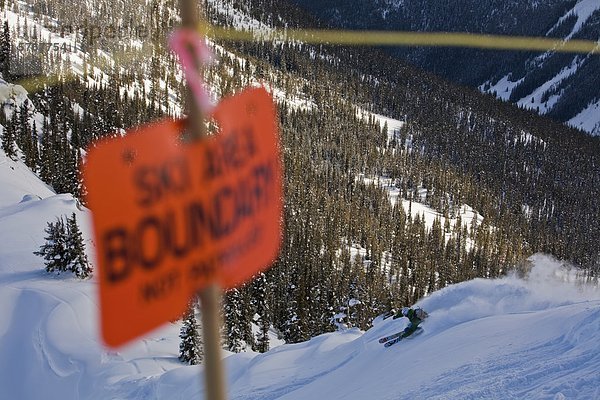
[415, 316]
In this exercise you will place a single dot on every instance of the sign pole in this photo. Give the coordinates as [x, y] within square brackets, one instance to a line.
[195, 115]
[210, 297]
[158, 176]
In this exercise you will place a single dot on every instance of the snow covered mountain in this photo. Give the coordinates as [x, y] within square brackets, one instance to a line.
[504, 338]
[562, 86]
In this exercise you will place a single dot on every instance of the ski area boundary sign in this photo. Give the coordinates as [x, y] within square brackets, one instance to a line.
[171, 217]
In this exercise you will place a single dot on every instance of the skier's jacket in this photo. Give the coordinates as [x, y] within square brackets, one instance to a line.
[415, 317]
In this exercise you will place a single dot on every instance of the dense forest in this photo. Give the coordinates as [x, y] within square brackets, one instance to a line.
[535, 76]
[349, 252]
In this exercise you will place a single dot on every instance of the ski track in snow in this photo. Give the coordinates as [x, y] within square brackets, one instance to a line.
[561, 366]
[304, 363]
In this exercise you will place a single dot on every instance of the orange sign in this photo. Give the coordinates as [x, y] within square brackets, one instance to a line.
[171, 217]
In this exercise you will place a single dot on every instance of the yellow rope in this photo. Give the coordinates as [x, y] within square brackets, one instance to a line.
[389, 38]
[376, 38]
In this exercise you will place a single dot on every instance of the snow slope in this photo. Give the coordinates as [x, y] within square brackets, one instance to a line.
[49, 344]
[498, 339]
[583, 10]
[588, 119]
[504, 338]
[548, 92]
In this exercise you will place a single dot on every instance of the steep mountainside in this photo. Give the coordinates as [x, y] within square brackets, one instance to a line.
[398, 186]
[358, 127]
[563, 86]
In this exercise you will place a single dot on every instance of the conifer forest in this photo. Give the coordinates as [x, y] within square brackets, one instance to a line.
[378, 212]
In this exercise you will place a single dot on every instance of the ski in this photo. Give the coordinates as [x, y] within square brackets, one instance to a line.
[390, 337]
[394, 341]
[390, 313]
[395, 338]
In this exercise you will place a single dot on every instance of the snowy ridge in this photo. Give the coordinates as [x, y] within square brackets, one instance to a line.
[546, 95]
[588, 119]
[529, 101]
[559, 85]
[583, 10]
[49, 343]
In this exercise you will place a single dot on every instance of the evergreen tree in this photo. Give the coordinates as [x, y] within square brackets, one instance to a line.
[47, 153]
[8, 141]
[64, 249]
[234, 321]
[291, 329]
[54, 250]
[262, 314]
[190, 347]
[32, 159]
[76, 258]
[69, 177]
[5, 45]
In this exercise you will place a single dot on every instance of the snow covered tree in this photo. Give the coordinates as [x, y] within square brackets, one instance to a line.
[291, 329]
[64, 249]
[9, 136]
[54, 250]
[190, 347]
[46, 153]
[234, 321]
[77, 260]
[261, 313]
